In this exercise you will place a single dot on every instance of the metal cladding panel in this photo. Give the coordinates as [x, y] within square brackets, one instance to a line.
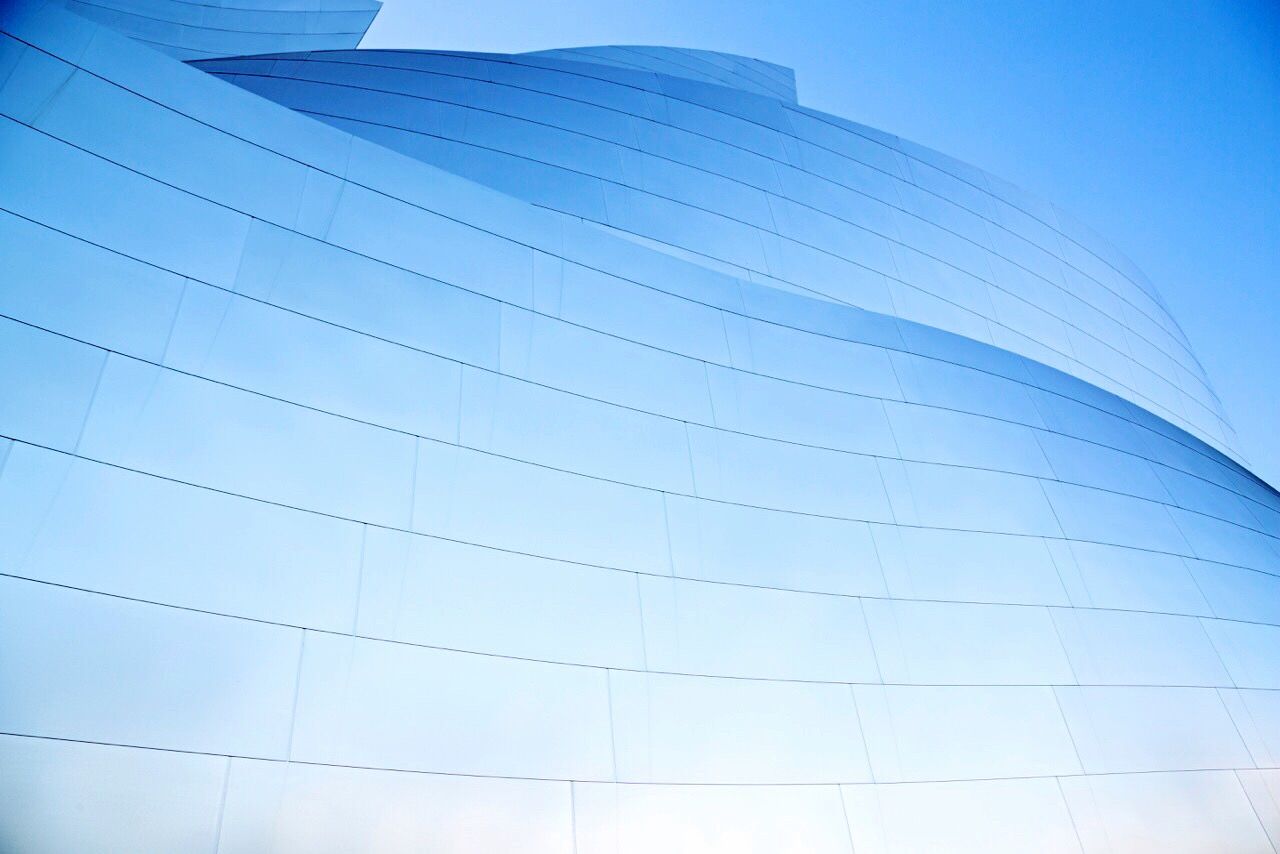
[351, 504]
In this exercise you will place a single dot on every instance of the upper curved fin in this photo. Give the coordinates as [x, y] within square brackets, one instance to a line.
[203, 29]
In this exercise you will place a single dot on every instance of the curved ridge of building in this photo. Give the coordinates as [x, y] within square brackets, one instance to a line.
[351, 504]
[723, 69]
[771, 191]
[199, 29]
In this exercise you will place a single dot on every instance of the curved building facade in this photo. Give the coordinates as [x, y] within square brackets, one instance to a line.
[588, 451]
[763, 189]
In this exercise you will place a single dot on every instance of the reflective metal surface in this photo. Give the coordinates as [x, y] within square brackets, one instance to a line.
[624, 504]
[195, 29]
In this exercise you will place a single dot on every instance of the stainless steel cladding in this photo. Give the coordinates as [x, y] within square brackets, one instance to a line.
[587, 451]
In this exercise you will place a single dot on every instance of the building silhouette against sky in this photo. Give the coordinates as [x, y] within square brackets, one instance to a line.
[592, 450]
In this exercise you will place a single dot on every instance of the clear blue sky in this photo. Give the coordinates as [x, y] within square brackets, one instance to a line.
[1158, 123]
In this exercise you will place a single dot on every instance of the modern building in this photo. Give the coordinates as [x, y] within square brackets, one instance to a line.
[586, 451]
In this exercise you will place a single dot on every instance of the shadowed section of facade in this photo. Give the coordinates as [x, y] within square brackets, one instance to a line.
[359, 496]
[766, 190]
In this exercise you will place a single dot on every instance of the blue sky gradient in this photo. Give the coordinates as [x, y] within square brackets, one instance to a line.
[1158, 124]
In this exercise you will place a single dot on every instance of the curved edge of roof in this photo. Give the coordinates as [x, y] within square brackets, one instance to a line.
[724, 69]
